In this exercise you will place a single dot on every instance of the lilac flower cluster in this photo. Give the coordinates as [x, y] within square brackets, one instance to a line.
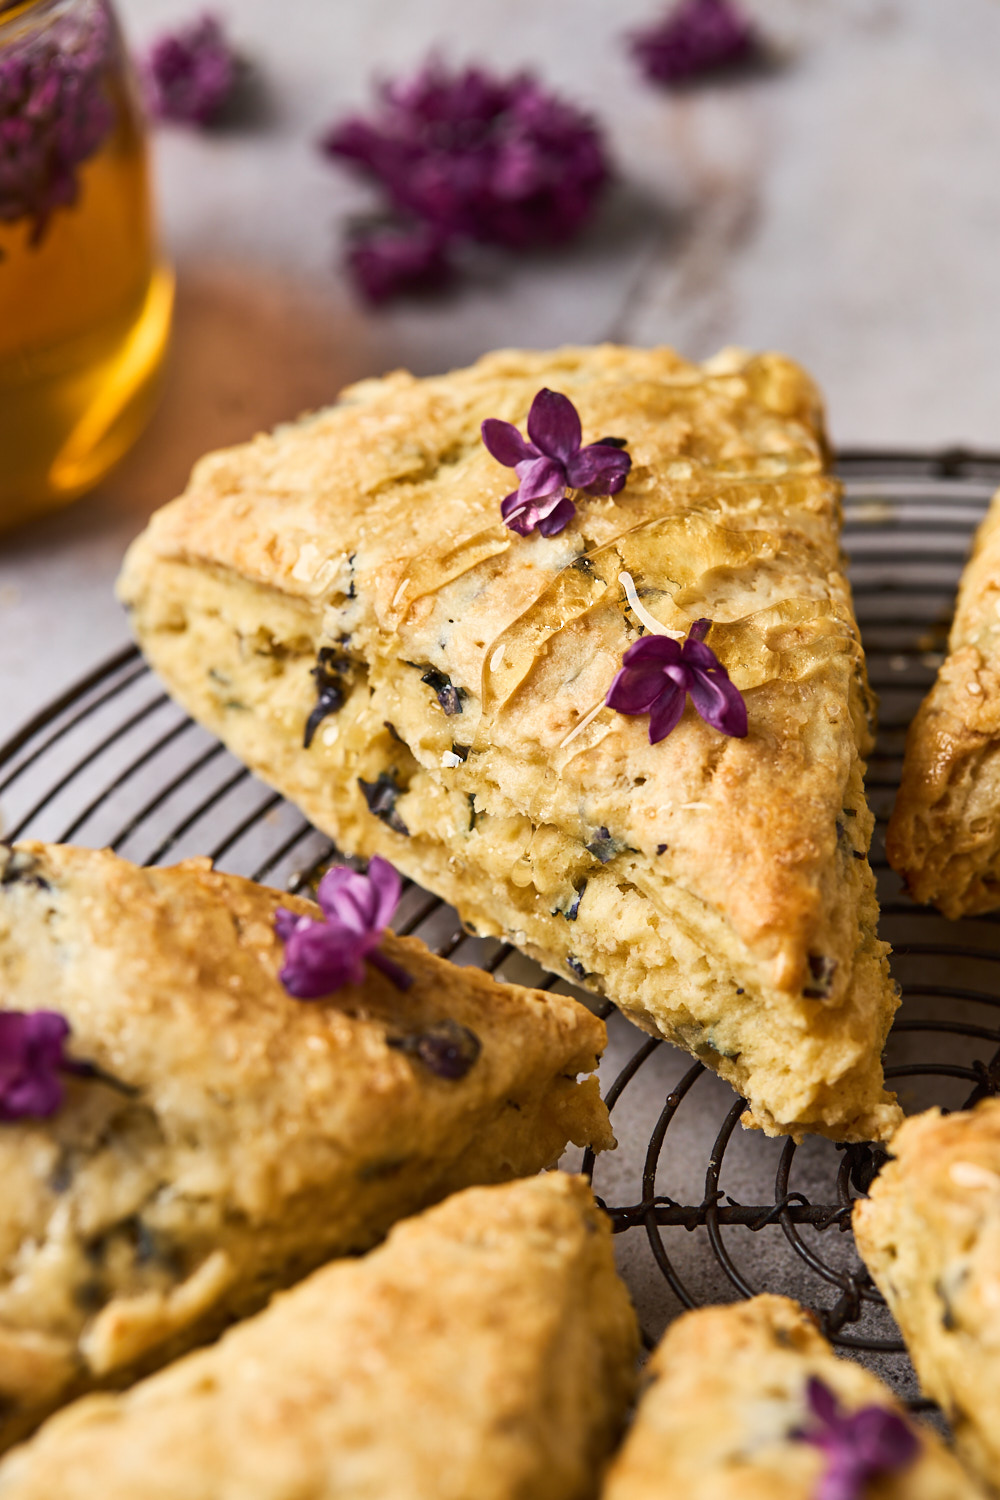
[190, 74]
[697, 36]
[859, 1447]
[658, 674]
[322, 956]
[467, 156]
[54, 112]
[552, 462]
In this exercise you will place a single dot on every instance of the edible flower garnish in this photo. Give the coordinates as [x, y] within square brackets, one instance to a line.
[54, 113]
[657, 673]
[697, 36]
[471, 157]
[31, 1058]
[861, 1446]
[552, 462]
[322, 956]
[190, 73]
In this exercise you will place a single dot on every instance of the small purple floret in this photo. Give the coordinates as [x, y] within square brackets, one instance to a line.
[859, 1447]
[55, 112]
[552, 462]
[473, 157]
[189, 74]
[697, 36]
[394, 258]
[322, 956]
[658, 673]
[31, 1058]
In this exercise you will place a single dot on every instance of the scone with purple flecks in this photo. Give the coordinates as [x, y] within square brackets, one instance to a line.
[180, 1135]
[423, 661]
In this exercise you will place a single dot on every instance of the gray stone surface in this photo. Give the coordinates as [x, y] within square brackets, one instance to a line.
[842, 206]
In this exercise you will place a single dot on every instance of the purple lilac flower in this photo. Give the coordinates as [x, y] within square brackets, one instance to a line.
[54, 112]
[474, 157]
[31, 1059]
[697, 36]
[189, 74]
[657, 673]
[394, 258]
[858, 1447]
[552, 462]
[322, 956]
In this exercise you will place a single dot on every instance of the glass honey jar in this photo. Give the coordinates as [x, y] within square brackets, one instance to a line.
[85, 301]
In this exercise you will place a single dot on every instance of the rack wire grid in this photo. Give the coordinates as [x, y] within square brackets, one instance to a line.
[704, 1211]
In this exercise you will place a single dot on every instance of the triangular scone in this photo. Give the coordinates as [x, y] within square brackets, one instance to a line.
[726, 1391]
[485, 1352]
[944, 834]
[251, 1136]
[348, 582]
[930, 1235]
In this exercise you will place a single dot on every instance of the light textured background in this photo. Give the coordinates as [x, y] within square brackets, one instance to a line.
[843, 206]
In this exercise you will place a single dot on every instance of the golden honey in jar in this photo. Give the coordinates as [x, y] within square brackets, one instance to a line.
[85, 302]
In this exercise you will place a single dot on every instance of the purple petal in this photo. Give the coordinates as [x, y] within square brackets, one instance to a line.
[635, 689]
[558, 518]
[321, 958]
[699, 630]
[31, 1054]
[285, 922]
[719, 702]
[598, 470]
[843, 1480]
[518, 516]
[542, 478]
[666, 713]
[347, 897]
[506, 444]
[882, 1439]
[386, 886]
[513, 507]
[652, 648]
[698, 655]
[554, 425]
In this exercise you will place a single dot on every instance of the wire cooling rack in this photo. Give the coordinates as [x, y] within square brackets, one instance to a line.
[704, 1210]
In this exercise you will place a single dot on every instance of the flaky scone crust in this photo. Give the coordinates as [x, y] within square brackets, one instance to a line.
[944, 834]
[717, 889]
[485, 1352]
[724, 1393]
[930, 1236]
[257, 1136]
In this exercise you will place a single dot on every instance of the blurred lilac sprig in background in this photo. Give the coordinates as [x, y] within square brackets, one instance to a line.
[466, 156]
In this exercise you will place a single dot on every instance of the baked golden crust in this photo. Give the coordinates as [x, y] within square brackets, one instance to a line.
[487, 1349]
[726, 1390]
[717, 889]
[263, 1134]
[944, 834]
[930, 1236]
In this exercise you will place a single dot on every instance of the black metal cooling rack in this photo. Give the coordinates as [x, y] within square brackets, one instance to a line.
[704, 1211]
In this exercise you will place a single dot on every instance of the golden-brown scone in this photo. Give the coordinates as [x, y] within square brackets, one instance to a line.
[726, 1391]
[717, 889]
[261, 1134]
[485, 1352]
[930, 1236]
[944, 834]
